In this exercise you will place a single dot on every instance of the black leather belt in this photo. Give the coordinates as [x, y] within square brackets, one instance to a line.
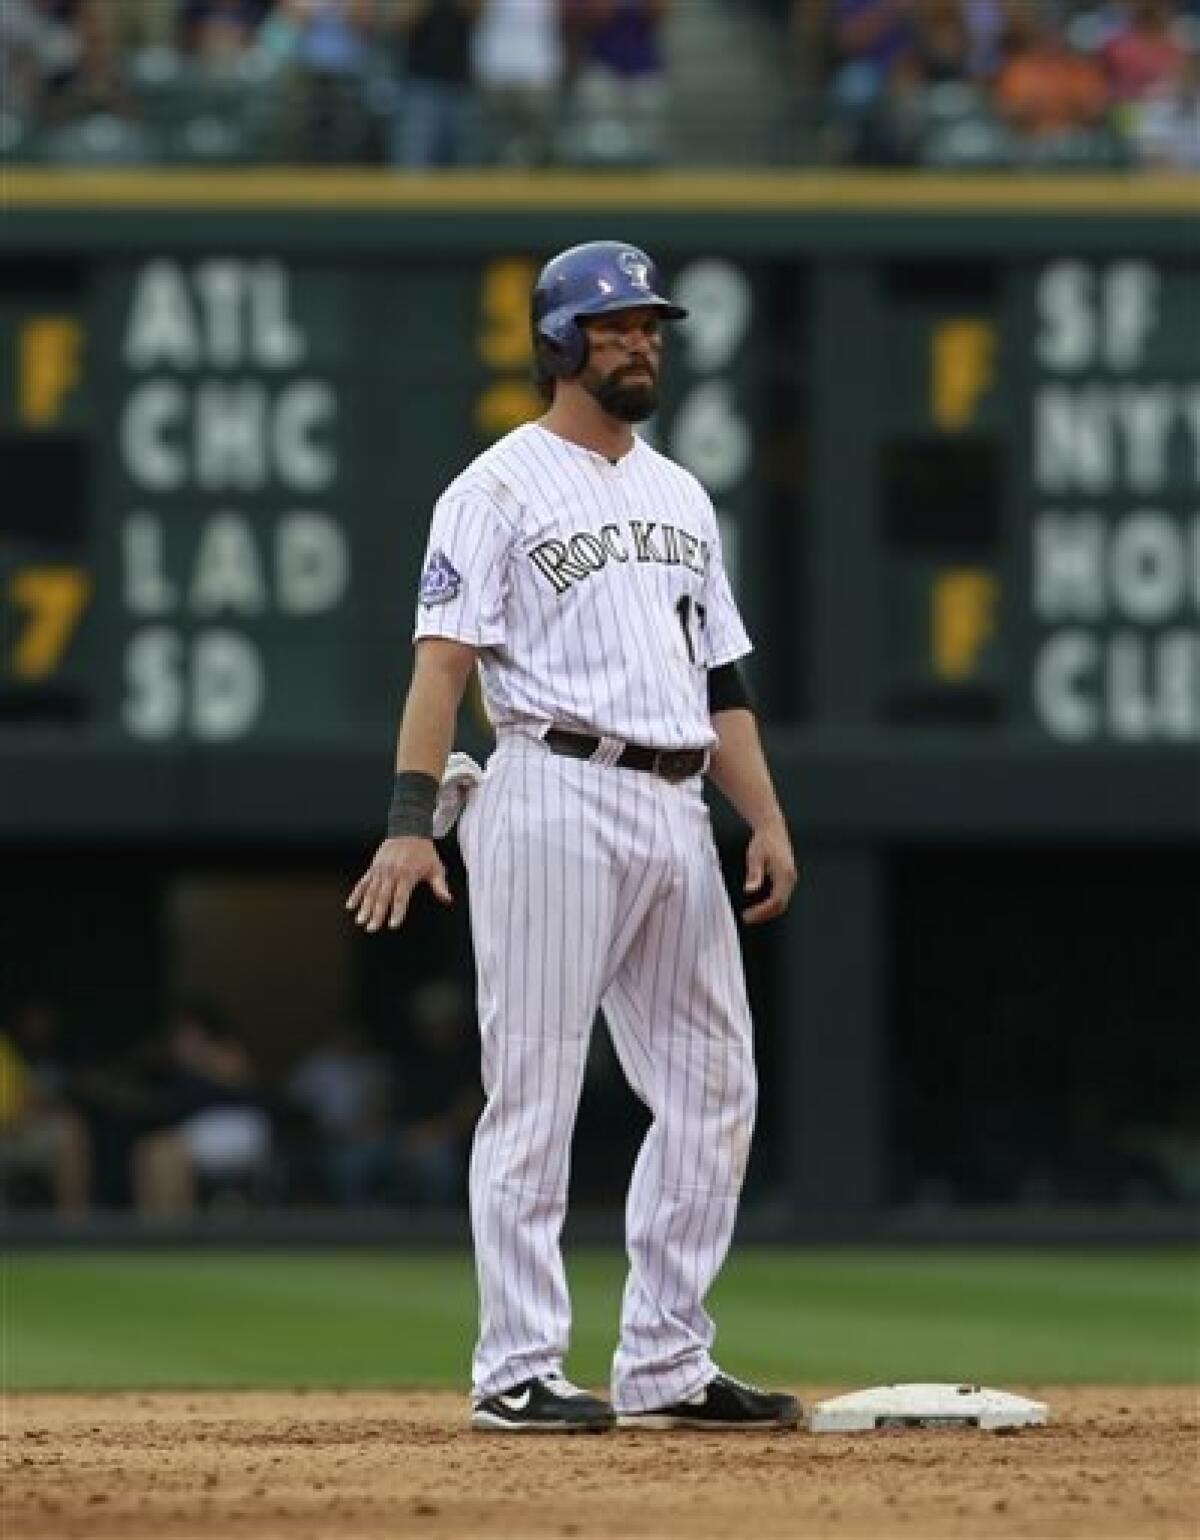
[670, 764]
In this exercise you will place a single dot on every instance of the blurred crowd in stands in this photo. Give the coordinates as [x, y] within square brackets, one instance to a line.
[530, 83]
[408, 83]
[185, 1119]
[992, 83]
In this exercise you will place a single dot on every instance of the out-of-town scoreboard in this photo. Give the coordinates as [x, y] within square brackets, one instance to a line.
[1111, 499]
[954, 443]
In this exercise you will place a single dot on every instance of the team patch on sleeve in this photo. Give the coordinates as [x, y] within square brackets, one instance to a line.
[439, 582]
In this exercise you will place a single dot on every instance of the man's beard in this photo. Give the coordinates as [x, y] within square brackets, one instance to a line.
[628, 397]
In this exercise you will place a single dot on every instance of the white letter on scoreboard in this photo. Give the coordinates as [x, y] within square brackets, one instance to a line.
[312, 563]
[154, 673]
[162, 325]
[228, 685]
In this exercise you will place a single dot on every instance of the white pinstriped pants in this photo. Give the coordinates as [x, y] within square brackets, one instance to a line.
[592, 887]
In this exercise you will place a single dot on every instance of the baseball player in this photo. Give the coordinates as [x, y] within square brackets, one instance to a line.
[580, 571]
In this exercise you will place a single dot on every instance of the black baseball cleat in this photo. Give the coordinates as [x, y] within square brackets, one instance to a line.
[548, 1405]
[723, 1405]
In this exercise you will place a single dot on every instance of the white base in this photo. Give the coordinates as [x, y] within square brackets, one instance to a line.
[925, 1406]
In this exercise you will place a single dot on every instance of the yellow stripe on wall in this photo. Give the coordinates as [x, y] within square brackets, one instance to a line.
[1117, 197]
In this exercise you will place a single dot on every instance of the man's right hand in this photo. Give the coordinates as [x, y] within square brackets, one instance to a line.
[381, 895]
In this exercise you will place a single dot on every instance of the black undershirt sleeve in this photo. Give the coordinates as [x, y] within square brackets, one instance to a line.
[727, 689]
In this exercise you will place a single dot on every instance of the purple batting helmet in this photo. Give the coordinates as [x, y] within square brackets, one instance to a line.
[589, 280]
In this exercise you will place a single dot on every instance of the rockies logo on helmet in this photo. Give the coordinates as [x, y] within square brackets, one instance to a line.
[592, 279]
[636, 268]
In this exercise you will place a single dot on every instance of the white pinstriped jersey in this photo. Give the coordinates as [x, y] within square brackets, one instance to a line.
[595, 592]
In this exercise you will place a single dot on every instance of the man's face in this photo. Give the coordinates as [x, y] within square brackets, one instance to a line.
[624, 355]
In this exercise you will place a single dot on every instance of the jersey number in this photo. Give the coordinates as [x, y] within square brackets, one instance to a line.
[692, 616]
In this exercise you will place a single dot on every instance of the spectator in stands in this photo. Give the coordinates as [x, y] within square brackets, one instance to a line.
[1049, 96]
[438, 119]
[1166, 131]
[869, 39]
[331, 50]
[36, 43]
[438, 1093]
[344, 1087]
[120, 1097]
[218, 32]
[940, 52]
[619, 91]
[1150, 70]
[938, 108]
[986, 21]
[865, 46]
[93, 83]
[937, 56]
[213, 1126]
[1147, 54]
[42, 1134]
[519, 65]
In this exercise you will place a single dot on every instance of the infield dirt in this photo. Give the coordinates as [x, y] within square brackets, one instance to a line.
[1119, 1463]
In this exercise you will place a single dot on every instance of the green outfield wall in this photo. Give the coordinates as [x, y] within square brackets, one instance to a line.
[952, 431]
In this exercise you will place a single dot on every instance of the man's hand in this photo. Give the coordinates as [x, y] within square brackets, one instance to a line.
[382, 893]
[770, 863]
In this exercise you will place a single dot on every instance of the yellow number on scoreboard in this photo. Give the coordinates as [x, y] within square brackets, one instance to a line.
[54, 599]
[964, 620]
[48, 354]
[963, 366]
[504, 342]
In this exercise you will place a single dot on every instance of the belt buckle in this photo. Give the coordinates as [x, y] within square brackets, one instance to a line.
[677, 764]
